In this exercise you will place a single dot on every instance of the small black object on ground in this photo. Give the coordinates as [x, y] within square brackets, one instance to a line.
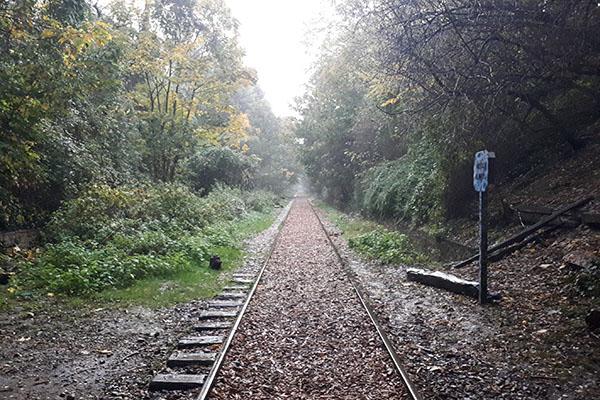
[593, 319]
[215, 262]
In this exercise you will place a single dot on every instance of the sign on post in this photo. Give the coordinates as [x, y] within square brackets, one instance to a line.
[481, 170]
[480, 183]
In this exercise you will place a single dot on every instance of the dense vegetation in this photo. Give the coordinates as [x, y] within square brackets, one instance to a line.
[122, 95]
[405, 92]
[133, 136]
[111, 237]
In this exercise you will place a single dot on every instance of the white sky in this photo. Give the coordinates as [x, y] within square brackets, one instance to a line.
[273, 34]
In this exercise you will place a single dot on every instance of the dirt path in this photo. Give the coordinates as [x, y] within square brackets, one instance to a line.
[305, 334]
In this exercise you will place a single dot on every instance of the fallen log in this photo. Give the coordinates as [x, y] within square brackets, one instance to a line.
[526, 232]
[446, 281]
[501, 253]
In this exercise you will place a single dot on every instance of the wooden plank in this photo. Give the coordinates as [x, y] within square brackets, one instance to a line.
[238, 287]
[526, 232]
[197, 341]
[243, 275]
[446, 281]
[231, 295]
[501, 253]
[225, 304]
[178, 359]
[215, 314]
[208, 326]
[590, 219]
[242, 281]
[534, 209]
[176, 382]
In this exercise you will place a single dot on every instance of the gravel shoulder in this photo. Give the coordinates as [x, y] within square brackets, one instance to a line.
[532, 345]
[305, 334]
[98, 353]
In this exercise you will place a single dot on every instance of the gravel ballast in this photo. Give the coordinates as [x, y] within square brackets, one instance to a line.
[305, 334]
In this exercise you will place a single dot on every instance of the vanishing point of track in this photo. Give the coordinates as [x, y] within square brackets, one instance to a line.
[352, 317]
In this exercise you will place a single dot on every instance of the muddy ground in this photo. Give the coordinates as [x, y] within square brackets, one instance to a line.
[95, 352]
[534, 344]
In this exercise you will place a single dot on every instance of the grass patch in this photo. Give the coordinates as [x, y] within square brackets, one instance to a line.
[192, 280]
[373, 240]
[198, 283]
[351, 227]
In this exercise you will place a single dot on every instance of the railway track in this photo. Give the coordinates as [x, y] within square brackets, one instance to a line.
[199, 358]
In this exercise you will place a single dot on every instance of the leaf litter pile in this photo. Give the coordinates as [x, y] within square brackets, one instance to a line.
[305, 334]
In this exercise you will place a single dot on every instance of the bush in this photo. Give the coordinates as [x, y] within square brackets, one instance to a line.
[260, 200]
[73, 269]
[214, 165]
[110, 237]
[409, 188]
[387, 246]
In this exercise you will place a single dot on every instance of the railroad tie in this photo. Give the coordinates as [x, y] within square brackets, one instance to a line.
[234, 287]
[231, 295]
[210, 326]
[197, 341]
[176, 381]
[178, 359]
[242, 281]
[214, 314]
[244, 275]
[225, 304]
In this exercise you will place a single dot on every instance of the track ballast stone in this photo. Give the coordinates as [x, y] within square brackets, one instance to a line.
[305, 334]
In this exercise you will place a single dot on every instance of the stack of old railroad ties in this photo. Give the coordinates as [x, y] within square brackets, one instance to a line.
[543, 221]
[188, 366]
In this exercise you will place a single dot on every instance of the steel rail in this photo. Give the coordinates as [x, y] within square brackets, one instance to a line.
[210, 379]
[363, 299]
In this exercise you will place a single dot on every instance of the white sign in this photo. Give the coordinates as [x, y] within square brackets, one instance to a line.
[481, 169]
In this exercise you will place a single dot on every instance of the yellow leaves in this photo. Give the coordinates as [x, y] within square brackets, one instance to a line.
[236, 131]
[18, 34]
[389, 102]
[48, 33]
[75, 41]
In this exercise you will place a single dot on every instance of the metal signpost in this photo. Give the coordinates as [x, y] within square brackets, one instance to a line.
[480, 183]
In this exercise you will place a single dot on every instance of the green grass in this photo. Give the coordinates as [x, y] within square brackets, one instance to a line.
[200, 282]
[373, 240]
[253, 224]
[351, 227]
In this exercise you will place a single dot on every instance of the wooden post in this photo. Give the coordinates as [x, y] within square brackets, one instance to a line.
[483, 247]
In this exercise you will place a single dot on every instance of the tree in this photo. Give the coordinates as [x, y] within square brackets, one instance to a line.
[185, 65]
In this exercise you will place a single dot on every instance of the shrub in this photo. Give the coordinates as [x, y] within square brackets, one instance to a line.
[409, 188]
[110, 237]
[260, 200]
[387, 246]
[214, 165]
[73, 269]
